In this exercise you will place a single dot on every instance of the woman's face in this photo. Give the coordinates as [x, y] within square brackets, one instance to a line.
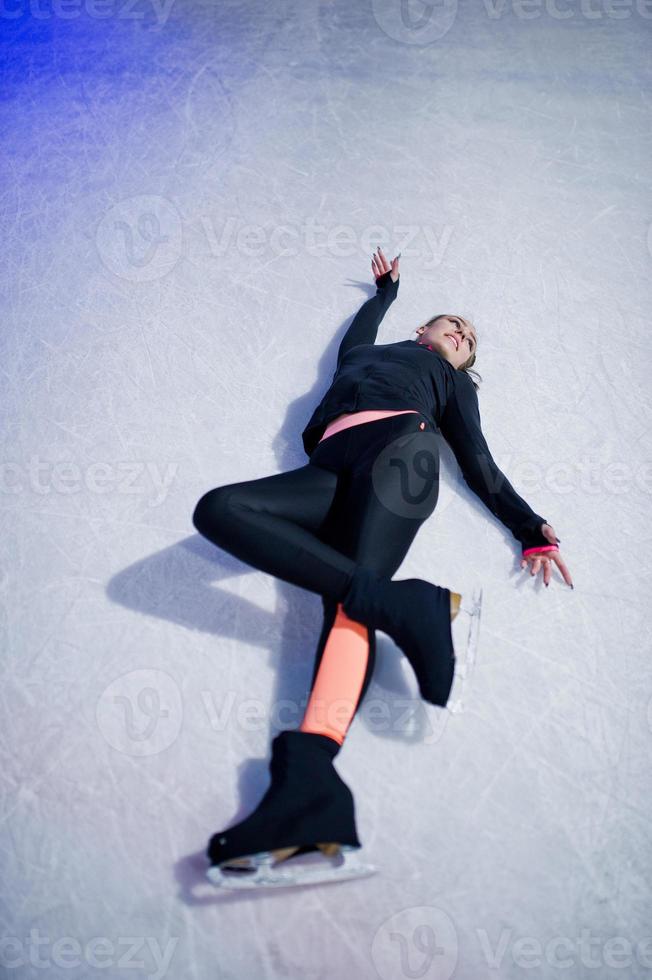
[452, 337]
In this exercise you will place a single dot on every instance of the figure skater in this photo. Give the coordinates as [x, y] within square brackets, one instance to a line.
[340, 526]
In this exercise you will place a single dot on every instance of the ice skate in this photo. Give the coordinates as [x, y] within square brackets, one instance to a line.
[417, 615]
[465, 629]
[307, 810]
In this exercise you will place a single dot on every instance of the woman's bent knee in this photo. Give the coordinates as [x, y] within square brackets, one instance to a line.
[212, 510]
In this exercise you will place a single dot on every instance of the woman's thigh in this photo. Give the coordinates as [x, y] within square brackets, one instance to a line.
[388, 488]
[302, 496]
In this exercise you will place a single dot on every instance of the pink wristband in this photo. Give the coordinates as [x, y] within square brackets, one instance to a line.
[545, 547]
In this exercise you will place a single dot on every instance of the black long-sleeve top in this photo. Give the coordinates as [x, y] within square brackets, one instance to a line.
[411, 375]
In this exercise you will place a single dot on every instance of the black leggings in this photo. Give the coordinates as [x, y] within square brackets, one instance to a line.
[360, 500]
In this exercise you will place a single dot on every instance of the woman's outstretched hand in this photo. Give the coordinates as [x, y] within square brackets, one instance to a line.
[545, 558]
[380, 265]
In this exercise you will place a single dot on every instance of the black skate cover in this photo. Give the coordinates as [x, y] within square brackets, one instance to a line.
[416, 615]
[307, 804]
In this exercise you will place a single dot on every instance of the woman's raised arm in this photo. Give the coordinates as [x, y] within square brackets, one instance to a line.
[364, 326]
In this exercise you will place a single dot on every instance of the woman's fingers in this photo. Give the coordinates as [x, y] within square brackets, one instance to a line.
[384, 264]
[536, 561]
[563, 569]
[380, 265]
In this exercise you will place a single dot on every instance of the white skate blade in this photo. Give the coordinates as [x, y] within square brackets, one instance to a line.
[267, 874]
[465, 629]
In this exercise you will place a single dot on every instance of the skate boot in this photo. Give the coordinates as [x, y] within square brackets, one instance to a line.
[465, 628]
[307, 808]
[417, 616]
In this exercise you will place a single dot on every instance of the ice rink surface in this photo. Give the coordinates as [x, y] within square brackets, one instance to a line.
[191, 193]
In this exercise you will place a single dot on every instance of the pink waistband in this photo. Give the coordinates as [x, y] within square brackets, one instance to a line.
[356, 418]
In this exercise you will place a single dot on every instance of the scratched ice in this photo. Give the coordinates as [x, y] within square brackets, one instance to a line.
[191, 193]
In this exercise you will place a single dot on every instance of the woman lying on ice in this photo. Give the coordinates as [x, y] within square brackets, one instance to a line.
[340, 526]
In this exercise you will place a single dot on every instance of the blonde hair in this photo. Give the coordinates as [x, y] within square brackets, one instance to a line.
[466, 367]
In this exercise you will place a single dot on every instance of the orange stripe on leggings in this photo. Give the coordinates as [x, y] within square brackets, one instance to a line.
[339, 679]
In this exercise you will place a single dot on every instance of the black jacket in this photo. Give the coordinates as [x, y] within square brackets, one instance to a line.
[410, 375]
